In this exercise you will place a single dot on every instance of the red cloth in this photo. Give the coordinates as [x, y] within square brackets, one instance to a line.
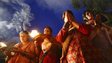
[80, 49]
[74, 52]
[54, 54]
[61, 36]
[51, 56]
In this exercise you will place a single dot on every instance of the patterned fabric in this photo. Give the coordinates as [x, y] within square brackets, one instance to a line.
[74, 54]
[81, 49]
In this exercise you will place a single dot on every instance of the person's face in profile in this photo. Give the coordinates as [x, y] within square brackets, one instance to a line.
[47, 31]
[89, 15]
[23, 37]
[89, 18]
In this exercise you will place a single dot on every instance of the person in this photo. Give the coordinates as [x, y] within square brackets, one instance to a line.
[76, 41]
[23, 52]
[50, 51]
[101, 35]
[50, 48]
[71, 50]
[47, 30]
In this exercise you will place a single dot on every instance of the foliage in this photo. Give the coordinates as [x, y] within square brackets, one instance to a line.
[97, 6]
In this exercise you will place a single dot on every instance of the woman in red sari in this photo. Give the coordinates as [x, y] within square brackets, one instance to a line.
[71, 52]
[51, 49]
[24, 52]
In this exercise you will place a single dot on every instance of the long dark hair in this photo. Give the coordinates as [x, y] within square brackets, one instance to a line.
[68, 11]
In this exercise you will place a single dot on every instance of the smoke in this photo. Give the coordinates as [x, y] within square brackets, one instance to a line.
[7, 1]
[5, 24]
[21, 19]
[14, 16]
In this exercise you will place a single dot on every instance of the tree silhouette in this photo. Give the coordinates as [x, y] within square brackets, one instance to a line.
[97, 6]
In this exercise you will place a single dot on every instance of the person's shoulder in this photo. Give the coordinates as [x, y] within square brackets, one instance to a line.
[32, 43]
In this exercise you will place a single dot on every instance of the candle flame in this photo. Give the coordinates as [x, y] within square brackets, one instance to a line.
[34, 33]
[2, 44]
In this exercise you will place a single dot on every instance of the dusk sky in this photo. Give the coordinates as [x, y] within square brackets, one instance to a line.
[35, 14]
[49, 12]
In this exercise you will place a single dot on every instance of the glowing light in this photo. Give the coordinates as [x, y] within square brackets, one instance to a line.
[2, 44]
[34, 33]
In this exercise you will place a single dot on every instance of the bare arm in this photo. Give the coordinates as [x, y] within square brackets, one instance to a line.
[75, 24]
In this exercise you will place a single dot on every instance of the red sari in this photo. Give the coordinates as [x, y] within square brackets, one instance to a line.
[80, 49]
[74, 52]
[51, 56]
[54, 54]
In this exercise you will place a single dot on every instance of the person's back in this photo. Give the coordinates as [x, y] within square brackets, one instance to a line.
[102, 42]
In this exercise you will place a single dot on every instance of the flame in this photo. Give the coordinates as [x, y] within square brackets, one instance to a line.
[34, 33]
[2, 44]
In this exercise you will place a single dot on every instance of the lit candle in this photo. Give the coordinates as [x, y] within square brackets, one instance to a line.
[34, 33]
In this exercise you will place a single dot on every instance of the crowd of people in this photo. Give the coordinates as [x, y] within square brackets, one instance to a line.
[88, 42]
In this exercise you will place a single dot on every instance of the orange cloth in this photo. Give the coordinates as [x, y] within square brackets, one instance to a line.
[31, 51]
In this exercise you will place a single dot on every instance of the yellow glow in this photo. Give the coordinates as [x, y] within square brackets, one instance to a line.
[2, 44]
[34, 33]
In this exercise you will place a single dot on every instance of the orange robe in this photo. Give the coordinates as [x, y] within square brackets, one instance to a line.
[29, 49]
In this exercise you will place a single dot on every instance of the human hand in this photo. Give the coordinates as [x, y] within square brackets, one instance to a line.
[61, 59]
[14, 49]
[8, 53]
[3, 48]
[66, 25]
[67, 17]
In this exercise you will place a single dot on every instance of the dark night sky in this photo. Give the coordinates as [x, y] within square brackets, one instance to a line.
[43, 16]
[16, 13]
[43, 12]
